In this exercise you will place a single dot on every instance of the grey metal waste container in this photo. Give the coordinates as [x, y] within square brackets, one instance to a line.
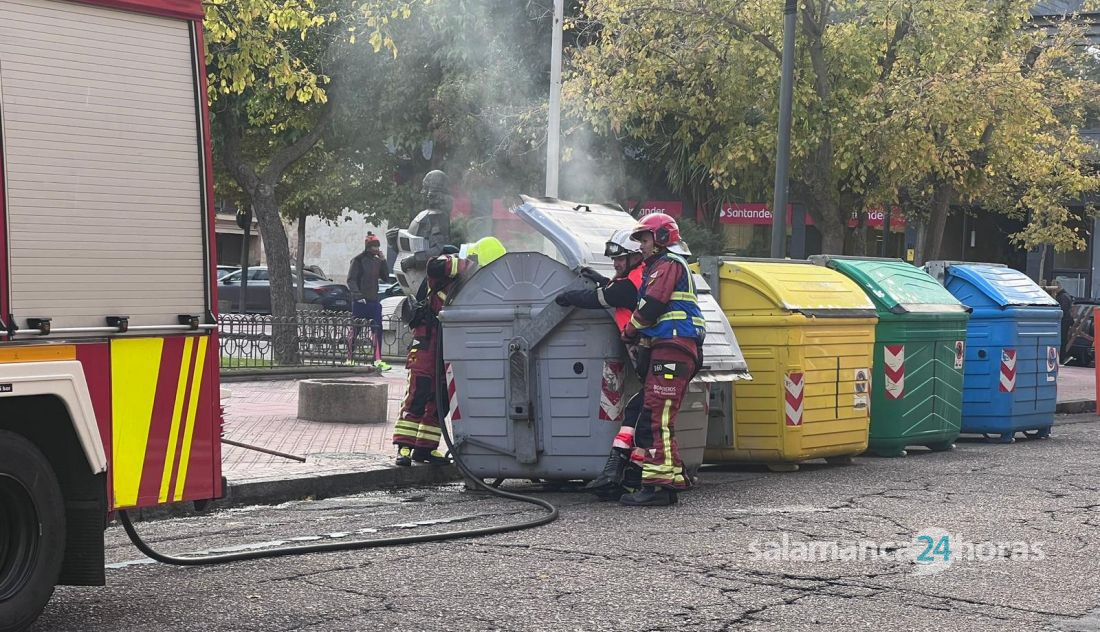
[538, 390]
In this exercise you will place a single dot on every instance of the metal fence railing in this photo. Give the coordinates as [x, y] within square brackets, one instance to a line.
[313, 338]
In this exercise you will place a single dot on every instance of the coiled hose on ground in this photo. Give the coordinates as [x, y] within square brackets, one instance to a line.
[328, 547]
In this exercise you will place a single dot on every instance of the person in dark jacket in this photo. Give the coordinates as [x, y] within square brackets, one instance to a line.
[367, 269]
[1065, 301]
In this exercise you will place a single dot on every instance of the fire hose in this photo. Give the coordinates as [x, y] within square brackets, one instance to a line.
[352, 545]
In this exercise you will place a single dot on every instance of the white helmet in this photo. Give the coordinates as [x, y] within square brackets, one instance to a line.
[621, 244]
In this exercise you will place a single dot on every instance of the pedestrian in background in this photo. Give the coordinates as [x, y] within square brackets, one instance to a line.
[368, 268]
[1065, 301]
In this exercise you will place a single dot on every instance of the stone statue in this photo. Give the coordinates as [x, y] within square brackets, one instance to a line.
[433, 224]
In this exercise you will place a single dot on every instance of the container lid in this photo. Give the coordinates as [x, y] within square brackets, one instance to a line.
[579, 231]
[894, 285]
[796, 287]
[1001, 285]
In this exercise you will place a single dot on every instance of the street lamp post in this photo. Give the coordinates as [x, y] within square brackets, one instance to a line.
[783, 144]
[244, 221]
[553, 132]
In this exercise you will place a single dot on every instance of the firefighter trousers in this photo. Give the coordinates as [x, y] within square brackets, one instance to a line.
[670, 370]
[418, 423]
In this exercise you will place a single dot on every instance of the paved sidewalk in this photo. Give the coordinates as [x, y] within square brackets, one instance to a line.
[340, 458]
[1076, 385]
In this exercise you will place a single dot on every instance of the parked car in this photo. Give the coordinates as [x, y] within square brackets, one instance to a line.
[393, 297]
[318, 291]
[224, 271]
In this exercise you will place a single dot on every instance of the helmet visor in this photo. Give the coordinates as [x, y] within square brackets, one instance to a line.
[613, 250]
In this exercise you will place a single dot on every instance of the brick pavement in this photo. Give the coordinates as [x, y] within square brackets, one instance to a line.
[264, 413]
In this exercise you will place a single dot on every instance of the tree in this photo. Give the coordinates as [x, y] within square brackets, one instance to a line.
[271, 67]
[917, 102]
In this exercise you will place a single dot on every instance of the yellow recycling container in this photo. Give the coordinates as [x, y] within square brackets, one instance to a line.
[808, 336]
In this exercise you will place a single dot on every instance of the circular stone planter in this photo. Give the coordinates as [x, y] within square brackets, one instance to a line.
[342, 401]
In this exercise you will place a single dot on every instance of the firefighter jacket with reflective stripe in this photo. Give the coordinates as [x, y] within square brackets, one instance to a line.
[668, 281]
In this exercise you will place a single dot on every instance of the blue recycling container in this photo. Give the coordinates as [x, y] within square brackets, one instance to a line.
[1010, 373]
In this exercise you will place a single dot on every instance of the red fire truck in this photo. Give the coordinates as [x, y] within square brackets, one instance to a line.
[109, 392]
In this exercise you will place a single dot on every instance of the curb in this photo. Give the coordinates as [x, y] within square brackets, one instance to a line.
[290, 373]
[1076, 406]
[274, 491]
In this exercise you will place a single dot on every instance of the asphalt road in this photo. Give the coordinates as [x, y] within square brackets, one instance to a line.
[731, 556]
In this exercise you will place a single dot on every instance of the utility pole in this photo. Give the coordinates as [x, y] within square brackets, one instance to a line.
[553, 132]
[244, 221]
[783, 144]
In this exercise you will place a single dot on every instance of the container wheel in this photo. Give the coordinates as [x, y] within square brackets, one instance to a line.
[1007, 437]
[946, 446]
[1041, 433]
[783, 467]
[32, 532]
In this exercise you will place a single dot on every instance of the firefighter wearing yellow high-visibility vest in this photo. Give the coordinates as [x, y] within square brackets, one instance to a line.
[669, 321]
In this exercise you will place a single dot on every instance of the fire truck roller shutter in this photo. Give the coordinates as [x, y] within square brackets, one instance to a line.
[105, 192]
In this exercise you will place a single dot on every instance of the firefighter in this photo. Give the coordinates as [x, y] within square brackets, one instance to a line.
[669, 322]
[416, 433]
[620, 294]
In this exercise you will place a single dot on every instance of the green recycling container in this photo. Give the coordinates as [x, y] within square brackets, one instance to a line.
[920, 343]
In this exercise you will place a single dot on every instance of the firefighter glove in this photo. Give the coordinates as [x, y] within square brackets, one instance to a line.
[593, 276]
[563, 299]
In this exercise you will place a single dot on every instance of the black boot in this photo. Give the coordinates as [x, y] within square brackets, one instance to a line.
[610, 477]
[650, 496]
[404, 456]
[427, 455]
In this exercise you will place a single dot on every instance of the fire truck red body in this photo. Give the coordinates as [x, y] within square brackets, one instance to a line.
[109, 390]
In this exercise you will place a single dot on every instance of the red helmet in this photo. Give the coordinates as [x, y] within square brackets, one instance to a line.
[665, 231]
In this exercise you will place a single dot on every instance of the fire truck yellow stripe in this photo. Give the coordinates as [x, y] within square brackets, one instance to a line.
[177, 413]
[192, 409]
[135, 367]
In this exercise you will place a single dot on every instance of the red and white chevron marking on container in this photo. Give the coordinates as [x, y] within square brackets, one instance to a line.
[452, 398]
[894, 357]
[612, 402]
[794, 385]
[1008, 370]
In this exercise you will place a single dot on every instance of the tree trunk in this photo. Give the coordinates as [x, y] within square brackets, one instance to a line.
[284, 333]
[260, 188]
[300, 262]
[937, 221]
[918, 248]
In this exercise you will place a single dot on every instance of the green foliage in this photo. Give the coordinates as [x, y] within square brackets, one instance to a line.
[702, 240]
[894, 103]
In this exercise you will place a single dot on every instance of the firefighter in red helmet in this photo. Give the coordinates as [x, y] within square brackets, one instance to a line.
[668, 321]
[416, 433]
